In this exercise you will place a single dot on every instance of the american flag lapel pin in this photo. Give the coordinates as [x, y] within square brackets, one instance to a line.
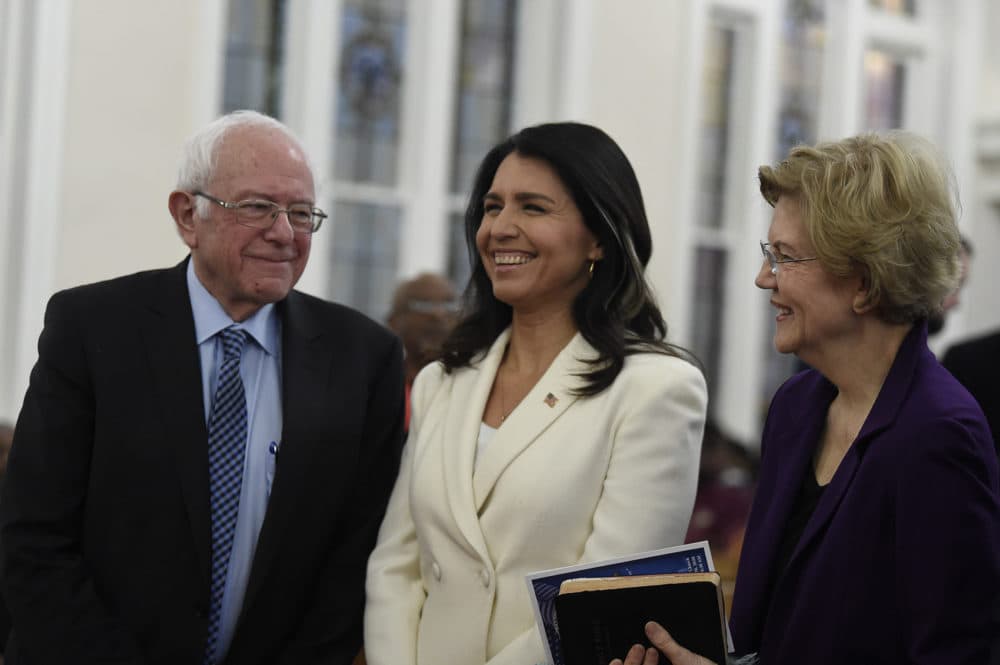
[551, 400]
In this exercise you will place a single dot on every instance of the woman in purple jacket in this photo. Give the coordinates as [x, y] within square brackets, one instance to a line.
[875, 532]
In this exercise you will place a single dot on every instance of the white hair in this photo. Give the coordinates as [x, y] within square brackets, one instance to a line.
[198, 159]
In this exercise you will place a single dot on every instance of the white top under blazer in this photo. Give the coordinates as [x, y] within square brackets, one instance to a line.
[565, 480]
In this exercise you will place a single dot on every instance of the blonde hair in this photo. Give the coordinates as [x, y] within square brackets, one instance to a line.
[881, 204]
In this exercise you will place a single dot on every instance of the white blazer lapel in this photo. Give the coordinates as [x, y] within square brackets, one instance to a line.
[547, 400]
[470, 390]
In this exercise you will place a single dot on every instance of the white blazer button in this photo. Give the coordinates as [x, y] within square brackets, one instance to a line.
[484, 575]
[436, 569]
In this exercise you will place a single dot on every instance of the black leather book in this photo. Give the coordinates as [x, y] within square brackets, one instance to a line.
[601, 618]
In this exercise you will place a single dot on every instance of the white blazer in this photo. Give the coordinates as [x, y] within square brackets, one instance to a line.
[565, 480]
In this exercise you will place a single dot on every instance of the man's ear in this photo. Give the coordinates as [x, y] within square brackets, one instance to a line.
[182, 209]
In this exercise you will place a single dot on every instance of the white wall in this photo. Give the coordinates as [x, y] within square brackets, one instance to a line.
[133, 80]
[114, 87]
[624, 76]
[980, 307]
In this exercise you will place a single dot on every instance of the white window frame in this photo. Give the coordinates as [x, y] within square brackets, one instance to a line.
[422, 192]
[942, 51]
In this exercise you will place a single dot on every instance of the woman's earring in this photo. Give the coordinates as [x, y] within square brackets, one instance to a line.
[592, 269]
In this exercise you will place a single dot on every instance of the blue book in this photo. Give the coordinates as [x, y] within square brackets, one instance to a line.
[544, 585]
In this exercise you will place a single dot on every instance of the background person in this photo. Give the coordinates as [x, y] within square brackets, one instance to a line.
[874, 535]
[423, 313]
[559, 426]
[204, 455]
[974, 363]
[6, 441]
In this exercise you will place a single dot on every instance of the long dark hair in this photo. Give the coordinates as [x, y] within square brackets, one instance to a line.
[615, 312]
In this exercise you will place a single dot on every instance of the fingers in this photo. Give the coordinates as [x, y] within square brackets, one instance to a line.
[637, 655]
[661, 640]
[677, 654]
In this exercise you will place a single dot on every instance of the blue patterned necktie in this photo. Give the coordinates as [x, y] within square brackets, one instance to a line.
[227, 437]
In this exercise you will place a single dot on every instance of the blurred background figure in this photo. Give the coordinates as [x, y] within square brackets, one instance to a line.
[936, 321]
[974, 362]
[423, 313]
[6, 439]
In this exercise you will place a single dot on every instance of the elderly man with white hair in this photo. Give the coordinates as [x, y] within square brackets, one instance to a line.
[204, 455]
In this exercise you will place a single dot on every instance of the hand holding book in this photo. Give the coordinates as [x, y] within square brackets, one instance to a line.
[661, 640]
[600, 618]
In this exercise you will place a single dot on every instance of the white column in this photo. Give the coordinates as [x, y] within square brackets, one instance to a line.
[746, 309]
[428, 121]
[45, 44]
[312, 39]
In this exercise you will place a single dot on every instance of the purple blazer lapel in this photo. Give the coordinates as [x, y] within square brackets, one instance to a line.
[799, 444]
[794, 425]
[887, 405]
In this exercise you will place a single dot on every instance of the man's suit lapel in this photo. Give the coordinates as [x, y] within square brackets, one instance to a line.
[305, 371]
[172, 350]
[547, 400]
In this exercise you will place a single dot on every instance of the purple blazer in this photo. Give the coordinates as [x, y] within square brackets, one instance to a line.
[900, 562]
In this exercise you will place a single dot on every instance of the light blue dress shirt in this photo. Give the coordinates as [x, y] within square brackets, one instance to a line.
[260, 369]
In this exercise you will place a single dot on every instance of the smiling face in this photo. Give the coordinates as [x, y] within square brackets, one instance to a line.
[246, 268]
[816, 310]
[532, 240]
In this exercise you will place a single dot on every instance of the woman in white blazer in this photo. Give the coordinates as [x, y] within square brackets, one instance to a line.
[558, 427]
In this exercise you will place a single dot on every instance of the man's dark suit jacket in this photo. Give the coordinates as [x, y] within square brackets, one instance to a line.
[105, 510]
[975, 364]
[900, 562]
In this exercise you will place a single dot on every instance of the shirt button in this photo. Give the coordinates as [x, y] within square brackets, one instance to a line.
[436, 570]
[484, 575]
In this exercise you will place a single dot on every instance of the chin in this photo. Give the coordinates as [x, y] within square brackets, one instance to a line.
[505, 295]
[267, 291]
[782, 345]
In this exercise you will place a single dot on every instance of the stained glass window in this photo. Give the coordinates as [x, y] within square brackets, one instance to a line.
[902, 7]
[717, 87]
[254, 56]
[367, 118]
[711, 252]
[804, 36]
[484, 84]
[707, 309]
[365, 256]
[885, 78]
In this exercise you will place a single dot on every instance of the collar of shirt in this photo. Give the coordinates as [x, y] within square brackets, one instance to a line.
[210, 318]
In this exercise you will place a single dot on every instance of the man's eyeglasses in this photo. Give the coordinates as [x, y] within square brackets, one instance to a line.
[773, 261]
[260, 213]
